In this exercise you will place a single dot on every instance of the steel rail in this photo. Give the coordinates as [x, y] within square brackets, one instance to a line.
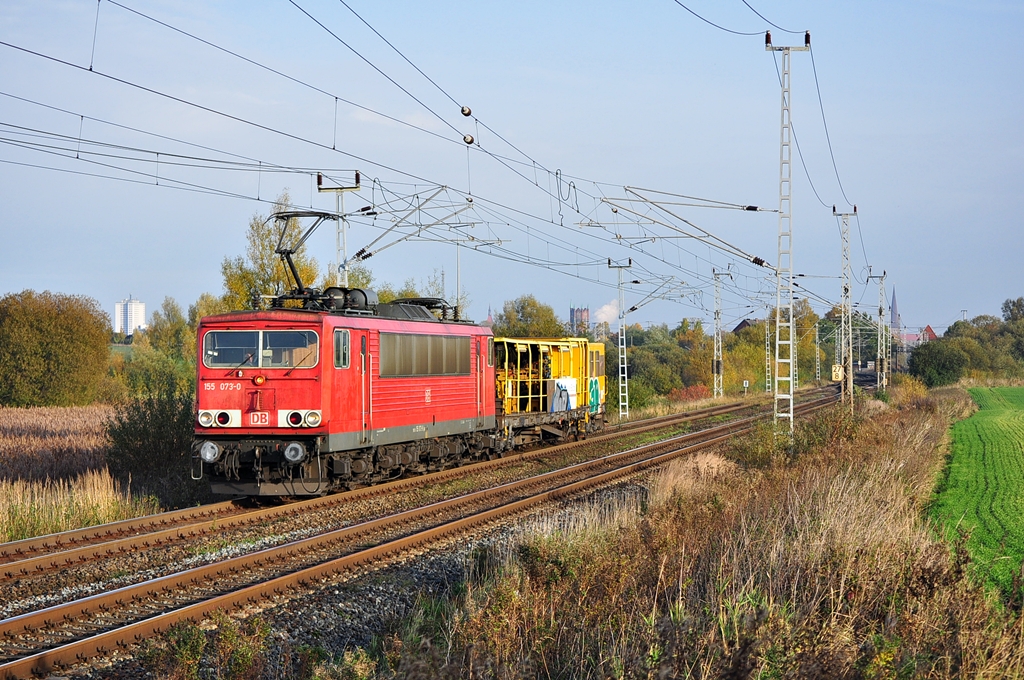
[103, 642]
[118, 538]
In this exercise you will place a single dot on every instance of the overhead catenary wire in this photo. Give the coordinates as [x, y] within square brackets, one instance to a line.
[767, 21]
[572, 206]
[711, 23]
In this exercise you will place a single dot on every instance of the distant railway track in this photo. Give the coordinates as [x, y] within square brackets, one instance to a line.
[62, 634]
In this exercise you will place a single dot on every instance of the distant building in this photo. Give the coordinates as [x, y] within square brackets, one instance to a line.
[490, 319]
[129, 316]
[579, 320]
[746, 323]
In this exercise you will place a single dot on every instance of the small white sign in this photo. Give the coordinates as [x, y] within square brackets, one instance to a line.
[746, 384]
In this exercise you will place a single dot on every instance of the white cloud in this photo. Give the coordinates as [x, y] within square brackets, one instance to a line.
[608, 312]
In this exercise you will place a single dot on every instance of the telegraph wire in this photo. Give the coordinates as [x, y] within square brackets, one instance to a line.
[254, 124]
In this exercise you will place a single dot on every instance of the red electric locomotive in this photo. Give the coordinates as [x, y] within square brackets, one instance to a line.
[300, 402]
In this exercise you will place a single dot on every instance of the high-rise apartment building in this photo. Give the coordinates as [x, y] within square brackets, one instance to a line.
[129, 316]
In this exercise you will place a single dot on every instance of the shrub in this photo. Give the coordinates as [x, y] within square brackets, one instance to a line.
[765, 446]
[178, 655]
[53, 349]
[938, 363]
[239, 649]
[906, 390]
[151, 444]
[691, 393]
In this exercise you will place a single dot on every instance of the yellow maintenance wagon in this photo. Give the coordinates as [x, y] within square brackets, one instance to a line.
[549, 388]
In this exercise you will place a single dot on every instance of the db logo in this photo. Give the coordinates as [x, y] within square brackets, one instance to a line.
[259, 418]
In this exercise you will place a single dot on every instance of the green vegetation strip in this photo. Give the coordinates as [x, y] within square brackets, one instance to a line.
[982, 491]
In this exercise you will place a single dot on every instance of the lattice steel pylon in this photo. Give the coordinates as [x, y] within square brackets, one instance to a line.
[768, 350]
[623, 372]
[785, 335]
[716, 362]
[882, 358]
[817, 355]
[844, 342]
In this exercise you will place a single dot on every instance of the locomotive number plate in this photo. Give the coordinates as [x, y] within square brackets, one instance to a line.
[259, 418]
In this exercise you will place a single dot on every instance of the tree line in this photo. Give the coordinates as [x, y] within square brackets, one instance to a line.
[984, 347]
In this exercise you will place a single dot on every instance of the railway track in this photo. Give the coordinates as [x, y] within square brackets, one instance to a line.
[68, 549]
[63, 634]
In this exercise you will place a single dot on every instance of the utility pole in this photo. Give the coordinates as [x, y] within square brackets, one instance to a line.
[341, 231]
[881, 368]
[845, 351]
[716, 362]
[785, 340]
[623, 375]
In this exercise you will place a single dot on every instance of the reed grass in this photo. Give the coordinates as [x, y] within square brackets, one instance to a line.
[52, 442]
[30, 508]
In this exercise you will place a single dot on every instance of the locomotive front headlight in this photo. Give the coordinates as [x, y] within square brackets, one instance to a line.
[294, 452]
[313, 418]
[205, 418]
[209, 452]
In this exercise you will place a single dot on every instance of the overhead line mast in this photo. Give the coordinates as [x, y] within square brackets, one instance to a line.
[785, 336]
[844, 343]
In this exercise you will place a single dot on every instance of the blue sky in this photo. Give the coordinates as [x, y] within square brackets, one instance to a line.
[923, 103]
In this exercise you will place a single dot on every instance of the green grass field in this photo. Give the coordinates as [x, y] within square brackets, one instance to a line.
[983, 491]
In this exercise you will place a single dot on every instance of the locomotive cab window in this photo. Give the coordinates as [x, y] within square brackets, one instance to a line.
[231, 349]
[265, 349]
[342, 348]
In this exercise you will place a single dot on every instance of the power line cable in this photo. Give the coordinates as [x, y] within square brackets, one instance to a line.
[711, 23]
[824, 124]
[773, 25]
[297, 81]
[376, 68]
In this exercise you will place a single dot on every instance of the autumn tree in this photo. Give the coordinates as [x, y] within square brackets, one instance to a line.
[262, 271]
[53, 349]
[525, 317]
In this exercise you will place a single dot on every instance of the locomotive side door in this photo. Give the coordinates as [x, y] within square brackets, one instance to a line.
[479, 383]
[365, 391]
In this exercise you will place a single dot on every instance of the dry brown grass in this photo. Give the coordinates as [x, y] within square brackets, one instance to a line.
[37, 508]
[53, 475]
[818, 565]
[664, 407]
[52, 442]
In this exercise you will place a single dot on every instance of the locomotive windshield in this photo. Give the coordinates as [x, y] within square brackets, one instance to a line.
[265, 349]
